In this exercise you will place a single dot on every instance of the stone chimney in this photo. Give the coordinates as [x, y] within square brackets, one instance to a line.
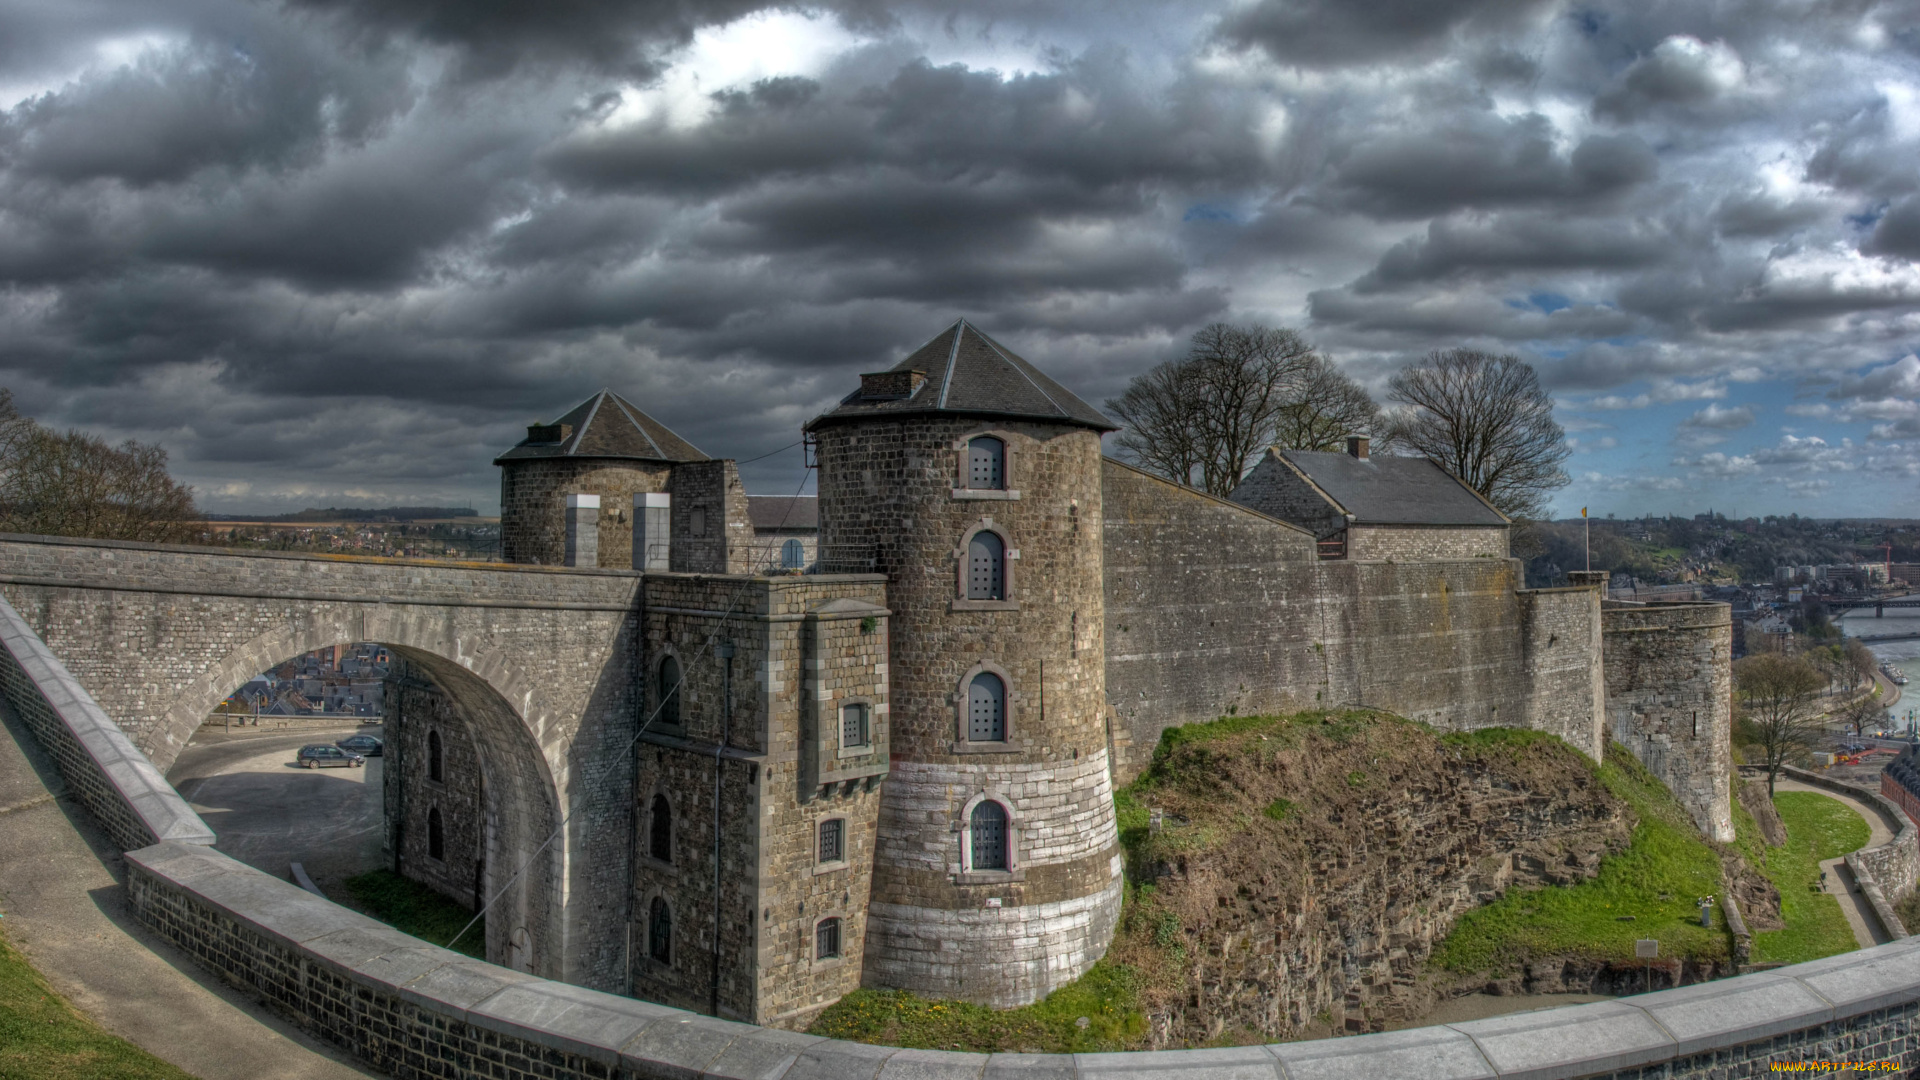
[583, 530]
[1357, 446]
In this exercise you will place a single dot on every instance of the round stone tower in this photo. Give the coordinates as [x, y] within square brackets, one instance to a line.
[973, 481]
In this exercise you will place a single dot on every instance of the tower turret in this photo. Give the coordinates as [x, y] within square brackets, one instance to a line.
[973, 481]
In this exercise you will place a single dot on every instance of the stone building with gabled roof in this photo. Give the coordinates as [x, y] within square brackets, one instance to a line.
[1363, 507]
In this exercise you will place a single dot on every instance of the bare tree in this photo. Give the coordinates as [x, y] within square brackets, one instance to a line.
[1776, 697]
[1326, 407]
[1484, 418]
[1239, 390]
[73, 484]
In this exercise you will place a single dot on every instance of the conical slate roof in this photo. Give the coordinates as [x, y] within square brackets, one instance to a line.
[605, 425]
[966, 372]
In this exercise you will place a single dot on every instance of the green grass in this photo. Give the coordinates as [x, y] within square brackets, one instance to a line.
[1105, 996]
[41, 1036]
[1817, 828]
[1667, 866]
[412, 908]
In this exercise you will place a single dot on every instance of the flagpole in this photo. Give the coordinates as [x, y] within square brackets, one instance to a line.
[1589, 525]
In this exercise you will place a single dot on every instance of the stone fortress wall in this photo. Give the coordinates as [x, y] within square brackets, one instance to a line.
[418, 719]
[1214, 609]
[408, 1009]
[1669, 669]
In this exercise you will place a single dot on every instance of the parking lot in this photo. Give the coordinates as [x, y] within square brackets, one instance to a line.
[269, 813]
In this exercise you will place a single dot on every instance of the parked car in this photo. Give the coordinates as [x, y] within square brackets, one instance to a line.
[322, 757]
[364, 745]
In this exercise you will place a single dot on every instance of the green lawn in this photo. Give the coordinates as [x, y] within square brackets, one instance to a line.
[43, 1038]
[412, 908]
[1655, 881]
[1105, 996]
[1817, 828]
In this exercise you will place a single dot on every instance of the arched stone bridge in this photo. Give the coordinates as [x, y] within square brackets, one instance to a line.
[539, 659]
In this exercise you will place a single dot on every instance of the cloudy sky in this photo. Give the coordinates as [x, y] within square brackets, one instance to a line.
[340, 252]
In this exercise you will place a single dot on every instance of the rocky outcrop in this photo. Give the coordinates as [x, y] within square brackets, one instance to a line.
[1302, 873]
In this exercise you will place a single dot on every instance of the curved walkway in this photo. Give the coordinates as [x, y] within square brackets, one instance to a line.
[1839, 878]
[61, 889]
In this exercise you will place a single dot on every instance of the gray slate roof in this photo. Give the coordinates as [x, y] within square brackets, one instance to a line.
[607, 425]
[969, 372]
[1388, 490]
[784, 513]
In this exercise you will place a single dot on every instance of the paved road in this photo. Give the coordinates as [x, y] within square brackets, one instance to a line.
[1839, 881]
[62, 892]
[269, 813]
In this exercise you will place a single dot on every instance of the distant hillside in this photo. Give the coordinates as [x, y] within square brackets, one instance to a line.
[331, 513]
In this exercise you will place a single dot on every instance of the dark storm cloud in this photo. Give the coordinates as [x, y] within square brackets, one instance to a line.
[1485, 162]
[1334, 33]
[372, 240]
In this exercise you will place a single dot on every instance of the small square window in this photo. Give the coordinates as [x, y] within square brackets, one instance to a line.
[833, 840]
[854, 727]
[826, 940]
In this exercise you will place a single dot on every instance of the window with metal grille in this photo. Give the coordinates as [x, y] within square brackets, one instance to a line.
[986, 463]
[669, 693]
[660, 931]
[793, 555]
[854, 730]
[826, 939]
[433, 756]
[660, 830]
[986, 567]
[833, 840]
[987, 708]
[989, 836]
[436, 835]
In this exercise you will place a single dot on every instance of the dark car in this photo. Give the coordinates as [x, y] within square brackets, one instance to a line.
[322, 757]
[364, 745]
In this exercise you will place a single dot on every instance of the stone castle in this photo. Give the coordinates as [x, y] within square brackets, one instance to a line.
[874, 737]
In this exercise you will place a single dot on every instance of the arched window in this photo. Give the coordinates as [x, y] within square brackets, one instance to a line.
[989, 838]
[826, 939]
[436, 837]
[833, 840]
[986, 463]
[660, 830]
[986, 708]
[986, 567]
[668, 693]
[660, 931]
[793, 555]
[434, 771]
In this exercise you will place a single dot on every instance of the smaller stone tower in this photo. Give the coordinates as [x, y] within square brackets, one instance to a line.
[604, 447]
[973, 481]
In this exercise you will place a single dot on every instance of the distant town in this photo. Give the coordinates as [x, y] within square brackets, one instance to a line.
[337, 681]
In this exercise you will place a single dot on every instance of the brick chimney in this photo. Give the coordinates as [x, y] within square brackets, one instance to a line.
[1357, 446]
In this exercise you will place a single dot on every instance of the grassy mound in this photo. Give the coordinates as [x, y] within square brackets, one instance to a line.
[1647, 891]
[1105, 997]
[412, 908]
[41, 1036]
[1817, 828]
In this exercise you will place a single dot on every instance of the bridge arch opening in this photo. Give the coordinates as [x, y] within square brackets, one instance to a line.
[466, 798]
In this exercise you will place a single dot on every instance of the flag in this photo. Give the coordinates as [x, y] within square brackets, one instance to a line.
[1583, 511]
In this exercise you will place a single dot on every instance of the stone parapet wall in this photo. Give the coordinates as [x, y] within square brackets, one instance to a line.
[411, 1010]
[533, 505]
[102, 768]
[1411, 542]
[1669, 671]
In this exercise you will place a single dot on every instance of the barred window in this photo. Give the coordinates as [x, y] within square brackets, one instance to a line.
[436, 834]
[434, 771]
[660, 931]
[986, 463]
[826, 939]
[855, 729]
[989, 836]
[986, 567]
[833, 840]
[660, 830]
[987, 708]
[669, 693]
